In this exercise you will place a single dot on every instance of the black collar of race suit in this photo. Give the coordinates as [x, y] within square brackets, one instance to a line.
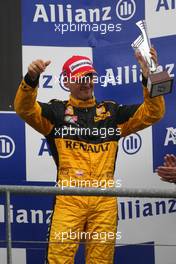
[81, 103]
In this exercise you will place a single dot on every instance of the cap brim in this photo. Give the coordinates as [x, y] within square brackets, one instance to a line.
[80, 74]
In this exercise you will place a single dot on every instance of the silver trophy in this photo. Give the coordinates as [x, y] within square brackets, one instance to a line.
[159, 82]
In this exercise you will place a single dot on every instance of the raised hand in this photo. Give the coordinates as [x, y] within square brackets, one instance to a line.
[36, 68]
[143, 64]
[170, 160]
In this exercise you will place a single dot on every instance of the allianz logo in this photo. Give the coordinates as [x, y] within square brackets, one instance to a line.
[24, 216]
[116, 76]
[130, 74]
[132, 144]
[163, 5]
[7, 146]
[123, 74]
[125, 10]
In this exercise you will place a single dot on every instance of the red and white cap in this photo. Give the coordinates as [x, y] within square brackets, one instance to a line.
[77, 66]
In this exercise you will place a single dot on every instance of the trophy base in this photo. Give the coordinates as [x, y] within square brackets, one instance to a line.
[159, 83]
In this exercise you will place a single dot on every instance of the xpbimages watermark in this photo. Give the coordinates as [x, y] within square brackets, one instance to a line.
[102, 132]
[103, 184]
[89, 78]
[102, 28]
[101, 237]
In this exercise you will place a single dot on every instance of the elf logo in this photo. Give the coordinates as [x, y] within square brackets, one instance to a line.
[125, 10]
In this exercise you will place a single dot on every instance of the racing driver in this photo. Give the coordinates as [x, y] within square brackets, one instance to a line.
[86, 156]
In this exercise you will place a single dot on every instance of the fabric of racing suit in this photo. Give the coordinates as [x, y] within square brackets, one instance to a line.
[84, 159]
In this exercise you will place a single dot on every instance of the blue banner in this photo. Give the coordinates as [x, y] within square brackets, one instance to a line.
[86, 23]
[164, 132]
[12, 149]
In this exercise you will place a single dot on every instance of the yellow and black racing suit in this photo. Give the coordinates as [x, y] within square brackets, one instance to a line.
[87, 158]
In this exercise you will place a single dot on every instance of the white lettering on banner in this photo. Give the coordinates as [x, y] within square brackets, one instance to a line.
[170, 136]
[169, 68]
[81, 16]
[97, 16]
[138, 209]
[109, 78]
[40, 14]
[127, 210]
[125, 75]
[106, 15]
[166, 5]
[23, 216]
[77, 15]
[59, 13]
[130, 74]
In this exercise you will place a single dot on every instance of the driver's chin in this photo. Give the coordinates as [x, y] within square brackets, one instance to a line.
[85, 95]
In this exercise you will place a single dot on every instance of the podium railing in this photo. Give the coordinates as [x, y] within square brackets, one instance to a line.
[111, 192]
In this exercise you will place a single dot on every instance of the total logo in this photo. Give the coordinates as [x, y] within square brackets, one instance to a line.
[125, 10]
[132, 143]
[7, 147]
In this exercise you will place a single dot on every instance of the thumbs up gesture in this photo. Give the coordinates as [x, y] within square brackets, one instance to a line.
[36, 68]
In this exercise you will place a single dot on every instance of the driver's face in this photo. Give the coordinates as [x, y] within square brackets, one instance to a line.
[81, 88]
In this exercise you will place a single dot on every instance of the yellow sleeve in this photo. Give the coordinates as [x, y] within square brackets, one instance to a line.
[29, 109]
[151, 111]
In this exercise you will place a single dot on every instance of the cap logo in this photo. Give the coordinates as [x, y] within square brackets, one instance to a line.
[79, 64]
